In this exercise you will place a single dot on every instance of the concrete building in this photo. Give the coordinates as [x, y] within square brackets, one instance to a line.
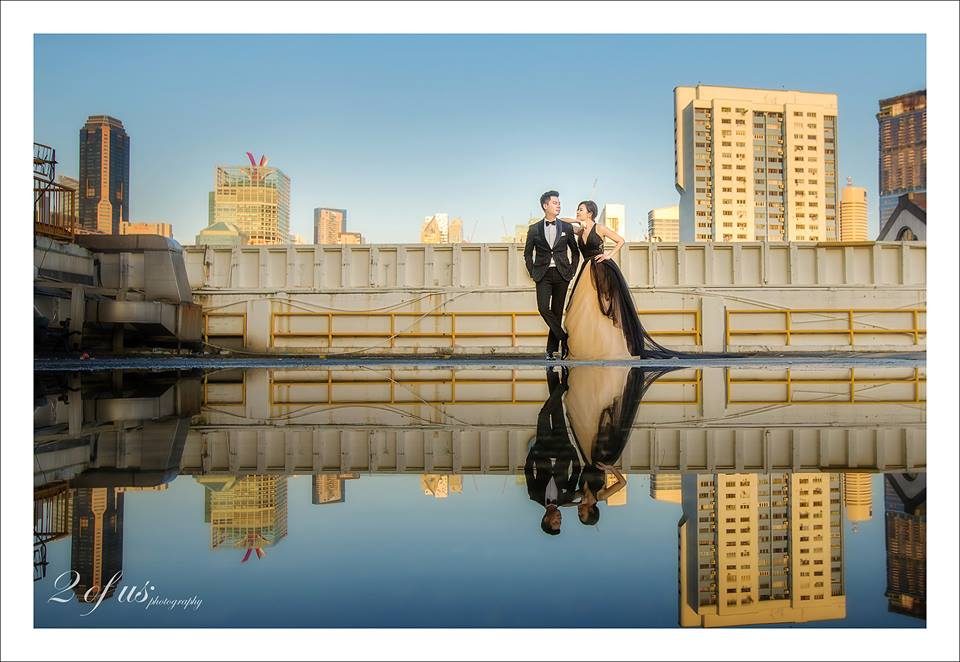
[328, 224]
[104, 182]
[222, 234]
[760, 548]
[663, 224]
[908, 222]
[330, 488]
[858, 497]
[438, 229]
[853, 212]
[455, 232]
[614, 216]
[902, 124]
[755, 165]
[148, 227]
[255, 198]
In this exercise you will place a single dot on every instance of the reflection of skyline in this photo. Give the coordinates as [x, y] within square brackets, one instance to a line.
[97, 546]
[905, 519]
[330, 488]
[760, 549]
[246, 513]
[440, 486]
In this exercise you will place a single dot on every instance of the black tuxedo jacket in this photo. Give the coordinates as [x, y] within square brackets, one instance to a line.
[552, 454]
[537, 251]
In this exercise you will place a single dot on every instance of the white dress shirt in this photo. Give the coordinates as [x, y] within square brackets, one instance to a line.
[550, 231]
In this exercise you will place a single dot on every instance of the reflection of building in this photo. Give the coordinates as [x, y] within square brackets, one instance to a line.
[760, 549]
[96, 552]
[663, 224]
[620, 497]
[853, 212]
[331, 488]
[858, 496]
[255, 198]
[441, 485]
[902, 122]
[755, 165]
[245, 513]
[221, 234]
[905, 514]
[907, 222]
[614, 217]
[104, 174]
[153, 488]
[141, 227]
[665, 487]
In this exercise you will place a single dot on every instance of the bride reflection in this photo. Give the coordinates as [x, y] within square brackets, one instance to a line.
[601, 404]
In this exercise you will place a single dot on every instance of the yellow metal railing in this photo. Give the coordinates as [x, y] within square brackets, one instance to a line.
[219, 334]
[851, 382]
[847, 316]
[393, 334]
[280, 390]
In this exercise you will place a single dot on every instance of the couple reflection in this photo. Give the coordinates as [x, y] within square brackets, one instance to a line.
[598, 406]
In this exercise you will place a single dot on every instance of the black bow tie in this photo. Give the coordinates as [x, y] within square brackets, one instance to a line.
[551, 222]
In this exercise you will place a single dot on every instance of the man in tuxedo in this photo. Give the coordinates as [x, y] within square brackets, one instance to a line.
[553, 466]
[552, 255]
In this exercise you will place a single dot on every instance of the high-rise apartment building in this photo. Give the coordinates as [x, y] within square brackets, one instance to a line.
[614, 216]
[96, 552]
[331, 488]
[256, 199]
[760, 548]
[755, 165]
[853, 213]
[902, 124]
[663, 224]
[328, 225]
[104, 174]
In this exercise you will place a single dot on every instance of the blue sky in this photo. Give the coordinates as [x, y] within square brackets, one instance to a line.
[396, 127]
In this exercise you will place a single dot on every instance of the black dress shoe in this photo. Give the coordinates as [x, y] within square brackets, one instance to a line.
[550, 356]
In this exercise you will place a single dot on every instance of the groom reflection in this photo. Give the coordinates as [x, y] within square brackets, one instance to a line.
[552, 468]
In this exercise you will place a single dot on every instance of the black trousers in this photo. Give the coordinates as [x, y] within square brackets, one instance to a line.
[551, 294]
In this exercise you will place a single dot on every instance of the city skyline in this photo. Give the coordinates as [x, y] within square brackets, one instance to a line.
[497, 147]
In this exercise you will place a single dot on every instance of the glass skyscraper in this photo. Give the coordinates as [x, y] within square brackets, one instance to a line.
[902, 124]
[104, 174]
[256, 199]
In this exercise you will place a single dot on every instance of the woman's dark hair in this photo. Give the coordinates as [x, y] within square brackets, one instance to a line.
[593, 515]
[592, 208]
[546, 196]
[545, 525]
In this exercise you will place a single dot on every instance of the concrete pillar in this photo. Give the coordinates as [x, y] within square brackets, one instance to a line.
[713, 324]
[78, 310]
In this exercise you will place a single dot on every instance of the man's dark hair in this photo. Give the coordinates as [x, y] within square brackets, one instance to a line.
[545, 525]
[546, 196]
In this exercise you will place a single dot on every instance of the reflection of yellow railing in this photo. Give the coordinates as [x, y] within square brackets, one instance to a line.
[851, 383]
[280, 387]
[243, 391]
[220, 334]
[847, 316]
[391, 335]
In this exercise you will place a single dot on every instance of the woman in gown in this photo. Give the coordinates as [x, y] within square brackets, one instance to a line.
[602, 404]
[601, 318]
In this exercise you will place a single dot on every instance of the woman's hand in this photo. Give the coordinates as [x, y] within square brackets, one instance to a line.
[602, 257]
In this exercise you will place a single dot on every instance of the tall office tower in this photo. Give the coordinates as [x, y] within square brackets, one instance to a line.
[903, 151]
[663, 224]
[328, 225]
[760, 548]
[104, 174]
[96, 552]
[858, 497]
[755, 165]
[255, 198]
[665, 487]
[436, 229]
[853, 212]
[245, 513]
[905, 515]
[614, 216]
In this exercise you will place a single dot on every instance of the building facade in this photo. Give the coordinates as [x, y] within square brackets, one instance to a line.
[902, 124]
[104, 181]
[614, 216]
[755, 165]
[255, 198]
[221, 234]
[96, 552]
[760, 548]
[148, 227]
[905, 519]
[663, 224]
[439, 229]
[853, 213]
[328, 225]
